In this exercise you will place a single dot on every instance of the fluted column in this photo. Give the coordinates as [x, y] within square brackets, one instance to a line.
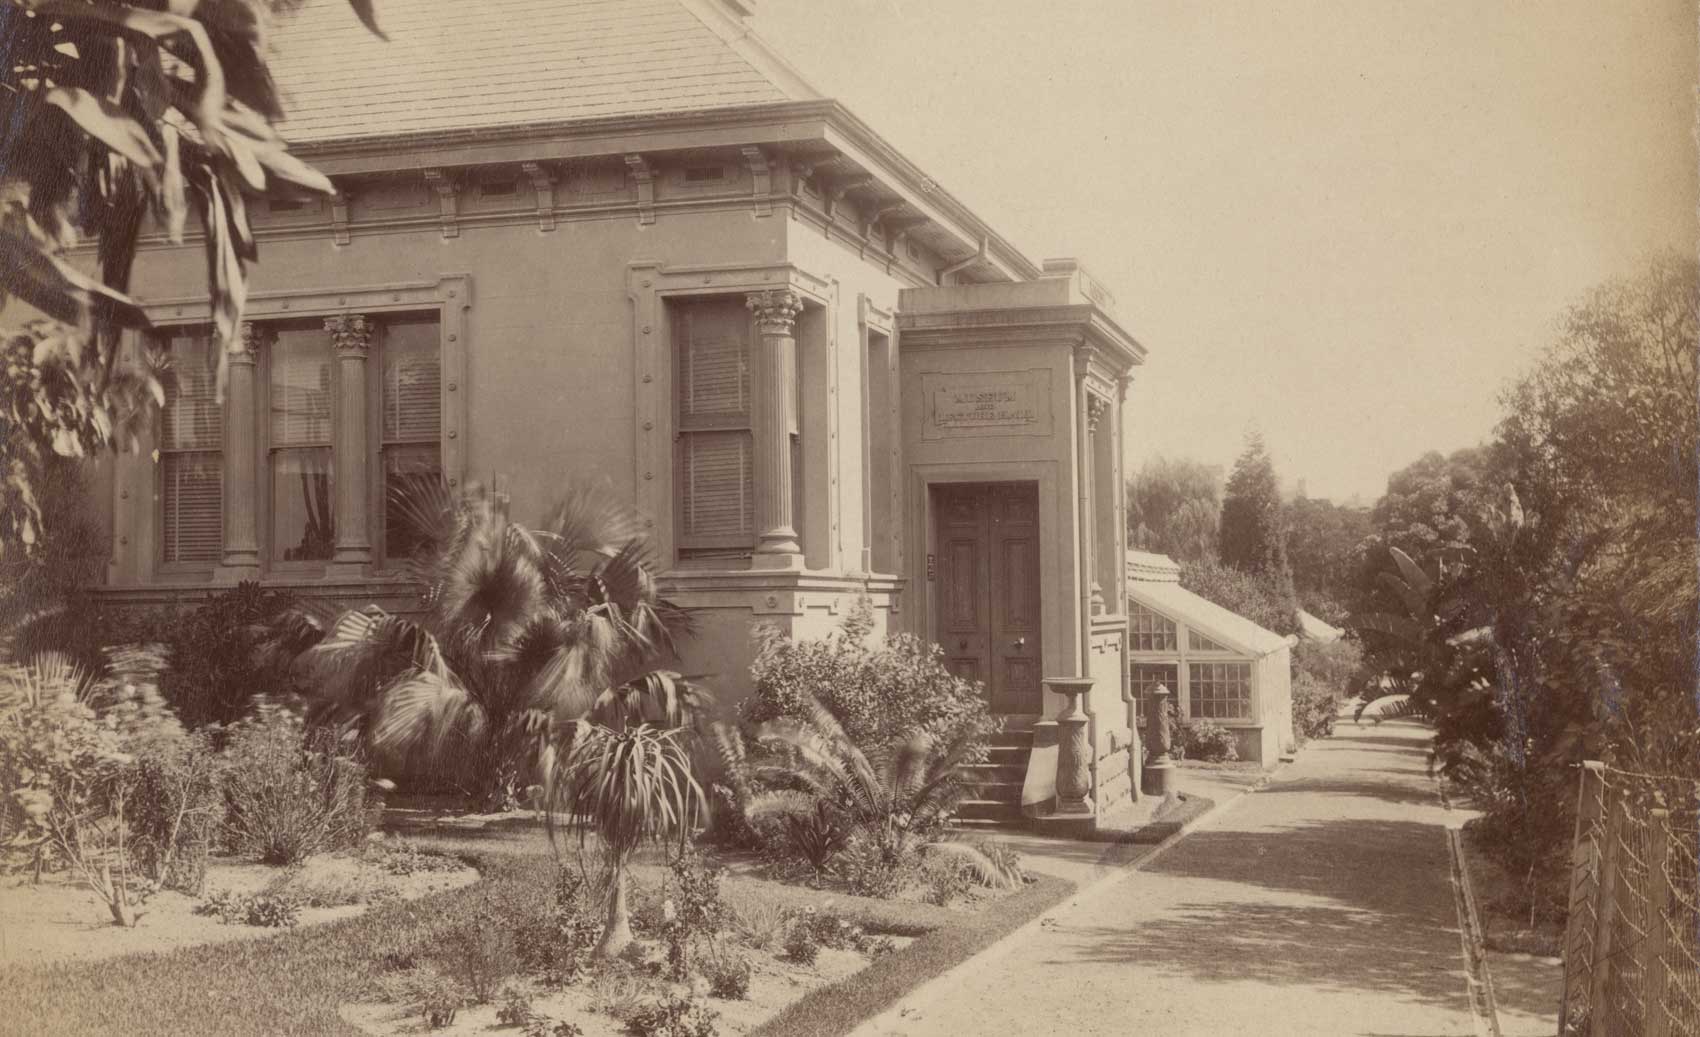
[351, 337]
[241, 557]
[1093, 464]
[775, 399]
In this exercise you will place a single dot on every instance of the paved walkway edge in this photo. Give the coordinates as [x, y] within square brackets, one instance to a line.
[1476, 975]
[928, 992]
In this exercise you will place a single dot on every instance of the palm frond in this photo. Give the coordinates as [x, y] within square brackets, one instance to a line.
[424, 711]
[627, 786]
[1394, 707]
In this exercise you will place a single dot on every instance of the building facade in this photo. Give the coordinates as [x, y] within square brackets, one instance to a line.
[621, 241]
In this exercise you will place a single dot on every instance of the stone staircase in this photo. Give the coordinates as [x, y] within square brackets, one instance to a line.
[997, 801]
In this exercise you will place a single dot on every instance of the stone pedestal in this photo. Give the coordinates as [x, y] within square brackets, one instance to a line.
[1074, 749]
[1158, 778]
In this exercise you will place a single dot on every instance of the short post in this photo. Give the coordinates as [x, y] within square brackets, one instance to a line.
[1590, 816]
[1656, 950]
[1605, 911]
[1074, 755]
[1158, 777]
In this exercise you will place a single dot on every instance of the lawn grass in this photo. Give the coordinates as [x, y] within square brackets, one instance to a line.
[292, 983]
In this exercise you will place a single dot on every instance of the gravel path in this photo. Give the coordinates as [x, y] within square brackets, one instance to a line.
[1321, 905]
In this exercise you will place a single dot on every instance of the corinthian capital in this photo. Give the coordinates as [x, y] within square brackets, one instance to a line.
[351, 332]
[776, 311]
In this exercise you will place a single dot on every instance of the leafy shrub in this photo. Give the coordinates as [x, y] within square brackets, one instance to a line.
[216, 658]
[1204, 740]
[875, 867]
[693, 910]
[812, 831]
[1336, 665]
[480, 953]
[801, 947]
[616, 990]
[557, 946]
[1314, 708]
[542, 1027]
[177, 809]
[291, 793]
[879, 692]
[440, 1008]
[404, 858]
[729, 977]
[947, 877]
[267, 910]
[672, 1016]
[516, 1009]
[1256, 597]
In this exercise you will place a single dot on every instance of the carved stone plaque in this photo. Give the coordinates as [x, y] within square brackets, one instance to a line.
[996, 403]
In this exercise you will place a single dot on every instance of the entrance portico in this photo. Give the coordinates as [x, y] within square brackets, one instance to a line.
[1012, 398]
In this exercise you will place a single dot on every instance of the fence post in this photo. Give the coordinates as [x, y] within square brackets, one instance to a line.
[1655, 949]
[1605, 913]
[1582, 865]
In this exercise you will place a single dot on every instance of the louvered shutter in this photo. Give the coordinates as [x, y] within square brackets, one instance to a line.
[715, 477]
[413, 381]
[301, 389]
[190, 458]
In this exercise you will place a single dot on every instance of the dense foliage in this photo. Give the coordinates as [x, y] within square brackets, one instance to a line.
[877, 691]
[520, 630]
[292, 792]
[1253, 596]
[1174, 507]
[116, 112]
[1323, 548]
[1539, 597]
[216, 658]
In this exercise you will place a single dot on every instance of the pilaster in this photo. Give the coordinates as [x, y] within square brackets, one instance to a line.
[775, 422]
[241, 557]
[351, 336]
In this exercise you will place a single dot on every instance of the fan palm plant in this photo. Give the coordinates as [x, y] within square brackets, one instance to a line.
[627, 786]
[520, 630]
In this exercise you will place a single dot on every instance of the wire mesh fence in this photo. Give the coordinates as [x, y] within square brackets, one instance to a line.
[1632, 944]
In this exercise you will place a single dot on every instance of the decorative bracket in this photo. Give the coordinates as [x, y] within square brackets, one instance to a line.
[761, 178]
[643, 175]
[800, 173]
[1096, 407]
[448, 200]
[543, 182]
[339, 216]
[839, 188]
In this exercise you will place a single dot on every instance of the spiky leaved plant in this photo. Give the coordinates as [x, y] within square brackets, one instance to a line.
[521, 629]
[900, 794]
[625, 785]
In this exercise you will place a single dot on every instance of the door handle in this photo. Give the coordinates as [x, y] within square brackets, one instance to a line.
[962, 646]
[1019, 643]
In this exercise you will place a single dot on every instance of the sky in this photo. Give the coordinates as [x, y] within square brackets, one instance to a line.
[1346, 224]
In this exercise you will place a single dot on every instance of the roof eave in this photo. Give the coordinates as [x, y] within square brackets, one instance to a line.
[776, 123]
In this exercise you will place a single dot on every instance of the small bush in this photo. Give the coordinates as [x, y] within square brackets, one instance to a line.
[617, 990]
[404, 858]
[215, 655]
[266, 910]
[480, 953]
[759, 924]
[291, 793]
[729, 977]
[880, 691]
[672, 1016]
[175, 809]
[1315, 706]
[875, 867]
[542, 1027]
[557, 946]
[516, 1009]
[947, 877]
[1211, 742]
[440, 1008]
[801, 947]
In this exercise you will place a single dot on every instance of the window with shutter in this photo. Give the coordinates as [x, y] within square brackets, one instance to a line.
[300, 390]
[191, 443]
[411, 420]
[714, 477]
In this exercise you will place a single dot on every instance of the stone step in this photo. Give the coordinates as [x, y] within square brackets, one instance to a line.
[989, 810]
[1016, 772]
[1009, 755]
[1002, 791]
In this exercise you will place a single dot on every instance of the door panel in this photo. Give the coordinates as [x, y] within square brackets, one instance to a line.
[987, 586]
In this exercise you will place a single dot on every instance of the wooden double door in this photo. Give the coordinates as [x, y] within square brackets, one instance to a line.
[986, 580]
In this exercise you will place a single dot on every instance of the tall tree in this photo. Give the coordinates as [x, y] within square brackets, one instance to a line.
[116, 111]
[1254, 523]
[1174, 507]
[1323, 540]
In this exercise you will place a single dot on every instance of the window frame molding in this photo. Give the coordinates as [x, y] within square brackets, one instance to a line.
[650, 286]
[180, 570]
[450, 296]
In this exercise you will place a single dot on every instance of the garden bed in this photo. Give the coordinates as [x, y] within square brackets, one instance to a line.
[60, 919]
